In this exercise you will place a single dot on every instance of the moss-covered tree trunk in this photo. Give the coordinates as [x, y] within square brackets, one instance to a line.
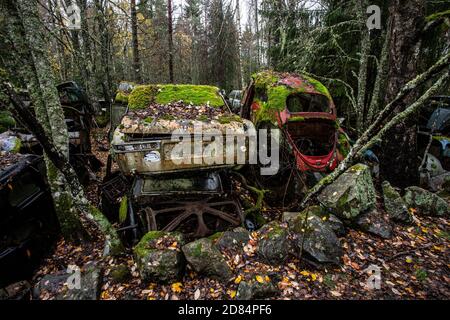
[32, 64]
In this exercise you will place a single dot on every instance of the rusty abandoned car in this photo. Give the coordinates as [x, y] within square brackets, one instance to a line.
[312, 141]
[28, 224]
[159, 188]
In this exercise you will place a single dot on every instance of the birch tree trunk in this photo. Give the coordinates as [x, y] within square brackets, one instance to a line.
[33, 66]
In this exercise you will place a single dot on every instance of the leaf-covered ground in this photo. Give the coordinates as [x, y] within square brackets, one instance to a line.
[414, 265]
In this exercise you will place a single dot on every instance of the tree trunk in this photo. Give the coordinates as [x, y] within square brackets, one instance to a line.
[399, 161]
[33, 66]
[135, 41]
[170, 31]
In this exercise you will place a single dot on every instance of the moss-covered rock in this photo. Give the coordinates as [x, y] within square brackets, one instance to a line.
[120, 273]
[316, 237]
[158, 256]
[231, 241]
[395, 205]
[274, 245]
[333, 222]
[375, 223]
[254, 289]
[207, 260]
[351, 193]
[425, 202]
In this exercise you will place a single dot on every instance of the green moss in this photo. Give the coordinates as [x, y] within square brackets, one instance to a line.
[193, 94]
[214, 237]
[343, 145]
[6, 121]
[296, 119]
[437, 15]
[17, 146]
[123, 210]
[264, 79]
[167, 117]
[145, 244]
[197, 249]
[148, 120]
[121, 97]
[142, 96]
[203, 118]
[267, 84]
[318, 86]
[441, 138]
[228, 119]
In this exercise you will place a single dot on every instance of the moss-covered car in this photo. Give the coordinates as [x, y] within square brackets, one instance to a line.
[144, 141]
[176, 181]
[303, 109]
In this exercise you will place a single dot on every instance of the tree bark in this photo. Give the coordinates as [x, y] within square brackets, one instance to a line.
[170, 31]
[135, 41]
[399, 162]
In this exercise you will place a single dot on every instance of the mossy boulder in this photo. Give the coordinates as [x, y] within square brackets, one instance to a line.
[158, 256]
[274, 245]
[205, 259]
[395, 205]
[120, 273]
[350, 194]
[333, 222]
[316, 237]
[375, 223]
[426, 202]
[254, 289]
[231, 241]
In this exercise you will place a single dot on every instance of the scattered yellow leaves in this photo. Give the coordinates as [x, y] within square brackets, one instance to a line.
[177, 287]
[408, 259]
[232, 293]
[104, 295]
[304, 273]
[238, 279]
[259, 279]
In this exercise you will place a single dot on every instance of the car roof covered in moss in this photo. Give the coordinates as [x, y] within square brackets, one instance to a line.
[269, 80]
[198, 95]
[162, 108]
[272, 89]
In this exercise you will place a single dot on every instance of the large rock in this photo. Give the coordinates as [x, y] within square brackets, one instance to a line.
[206, 259]
[333, 222]
[425, 202]
[373, 222]
[158, 256]
[351, 194]
[231, 241]
[395, 205]
[317, 237]
[254, 289]
[274, 245]
[65, 285]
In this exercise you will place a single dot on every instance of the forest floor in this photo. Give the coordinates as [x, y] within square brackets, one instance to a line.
[414, 264]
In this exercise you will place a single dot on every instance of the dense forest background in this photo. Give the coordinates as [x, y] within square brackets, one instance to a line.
[222, 42]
